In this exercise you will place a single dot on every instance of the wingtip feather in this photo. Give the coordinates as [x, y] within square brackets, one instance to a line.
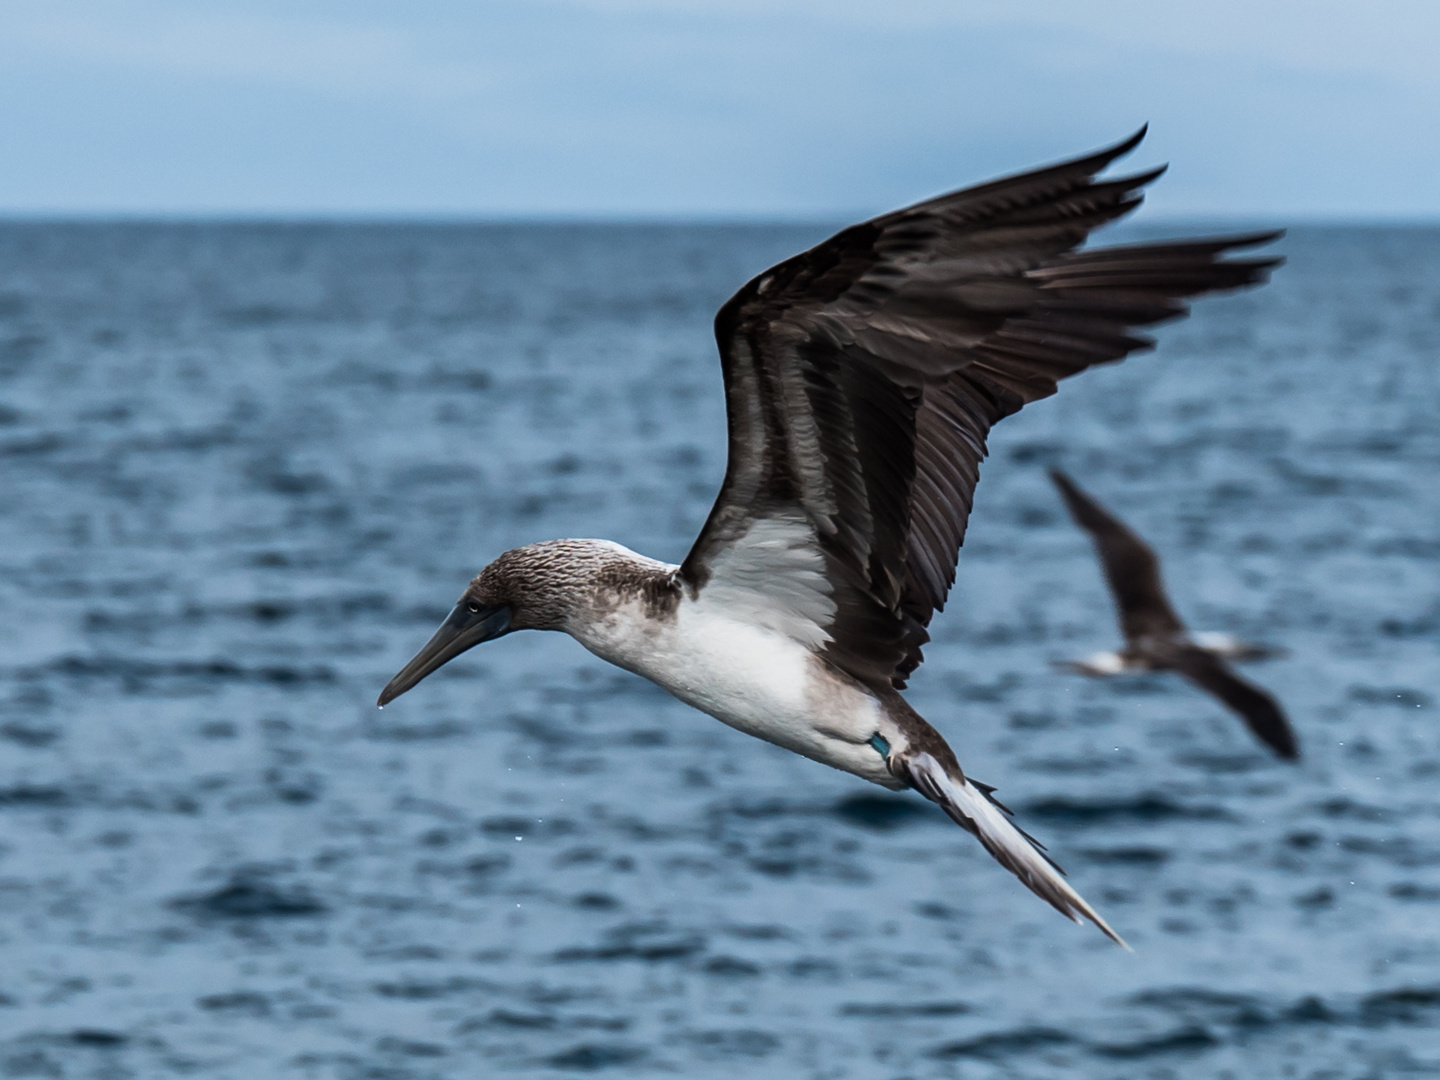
[1100, 159]
[1124, 146]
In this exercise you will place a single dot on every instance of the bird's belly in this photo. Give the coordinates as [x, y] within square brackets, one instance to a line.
[763, 683]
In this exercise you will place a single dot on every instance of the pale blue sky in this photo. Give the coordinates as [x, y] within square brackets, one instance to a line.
[1276, 109]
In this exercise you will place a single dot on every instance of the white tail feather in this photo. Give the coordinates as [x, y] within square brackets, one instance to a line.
[973, 810]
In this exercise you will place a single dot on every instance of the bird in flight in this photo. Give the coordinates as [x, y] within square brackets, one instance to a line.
[862, 378]
[1156, 639]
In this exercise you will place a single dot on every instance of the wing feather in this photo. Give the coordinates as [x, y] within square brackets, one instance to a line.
[1255, 706]
[1131, 567]
[863, 376]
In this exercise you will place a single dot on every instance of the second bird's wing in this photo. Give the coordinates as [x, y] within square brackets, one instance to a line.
[1260, 711]
[1131, 566]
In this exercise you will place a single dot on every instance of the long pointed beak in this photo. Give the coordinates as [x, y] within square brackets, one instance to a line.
[463, 630]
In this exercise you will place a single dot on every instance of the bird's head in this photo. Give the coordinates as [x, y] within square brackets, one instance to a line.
[536, 587]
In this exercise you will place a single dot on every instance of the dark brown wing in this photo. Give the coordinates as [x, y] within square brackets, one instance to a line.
[1131, 567]
[863, 376]
[1261, 712]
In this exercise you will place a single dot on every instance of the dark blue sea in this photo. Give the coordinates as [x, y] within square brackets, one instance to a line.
[245, 470]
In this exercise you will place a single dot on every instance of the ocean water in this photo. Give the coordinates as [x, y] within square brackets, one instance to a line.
[247, 468]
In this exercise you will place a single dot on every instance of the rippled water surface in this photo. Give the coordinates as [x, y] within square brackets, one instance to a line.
[247, 469]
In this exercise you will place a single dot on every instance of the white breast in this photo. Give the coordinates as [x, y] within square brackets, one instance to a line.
[754, 678]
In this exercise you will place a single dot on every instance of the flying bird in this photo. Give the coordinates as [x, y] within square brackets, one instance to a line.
[862, 378]
[1156, 639]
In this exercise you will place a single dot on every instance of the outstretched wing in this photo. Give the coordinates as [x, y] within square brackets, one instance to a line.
[1131, 566]
[863, 376]
[1261, 712]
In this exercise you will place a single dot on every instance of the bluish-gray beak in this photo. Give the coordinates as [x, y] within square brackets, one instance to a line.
[466, 627]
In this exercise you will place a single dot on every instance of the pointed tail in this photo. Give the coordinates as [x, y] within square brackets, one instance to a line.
[970, 806]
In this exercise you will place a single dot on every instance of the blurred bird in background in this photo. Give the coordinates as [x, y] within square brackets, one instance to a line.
[1155, 637]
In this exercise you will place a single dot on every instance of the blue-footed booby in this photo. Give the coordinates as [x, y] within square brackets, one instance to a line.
[1155, 637]
[862, 378]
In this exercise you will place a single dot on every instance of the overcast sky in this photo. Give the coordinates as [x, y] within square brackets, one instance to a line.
[1275, 109]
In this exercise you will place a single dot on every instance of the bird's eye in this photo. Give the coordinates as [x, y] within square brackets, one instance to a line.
[473, 606]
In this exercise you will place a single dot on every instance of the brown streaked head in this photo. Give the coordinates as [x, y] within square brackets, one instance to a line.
[536, 587]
